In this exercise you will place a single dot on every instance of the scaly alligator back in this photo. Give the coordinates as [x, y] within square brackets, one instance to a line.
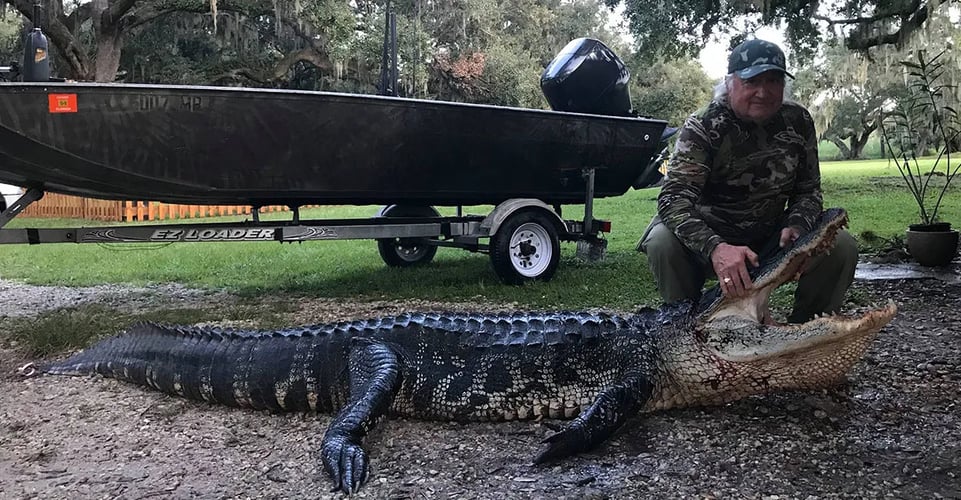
[452, 366]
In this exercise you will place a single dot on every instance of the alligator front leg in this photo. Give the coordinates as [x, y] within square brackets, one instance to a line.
[595, 424]
[374, 380]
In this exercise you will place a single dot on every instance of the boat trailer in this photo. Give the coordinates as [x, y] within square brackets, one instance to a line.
[521, 235]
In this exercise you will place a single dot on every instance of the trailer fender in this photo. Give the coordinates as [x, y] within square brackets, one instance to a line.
[503, 211]
[407, 211]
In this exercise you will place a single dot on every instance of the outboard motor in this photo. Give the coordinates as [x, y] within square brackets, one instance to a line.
[587, 77]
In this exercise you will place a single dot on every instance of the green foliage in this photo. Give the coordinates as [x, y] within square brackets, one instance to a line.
[926, 114]
[682, 27]
[669, 90]
[507, 80]
[11, 42]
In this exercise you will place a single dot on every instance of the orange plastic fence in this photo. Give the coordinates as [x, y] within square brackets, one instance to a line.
[54, 205]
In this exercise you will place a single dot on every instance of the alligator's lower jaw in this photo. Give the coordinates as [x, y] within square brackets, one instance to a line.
[738, 358]
[818, 339]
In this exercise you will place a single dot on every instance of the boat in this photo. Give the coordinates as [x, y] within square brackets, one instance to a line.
[245, 146]
[202, 145]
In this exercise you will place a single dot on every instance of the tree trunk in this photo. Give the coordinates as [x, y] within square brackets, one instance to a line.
[108, 43]
[858, 141]
[109, 46]
[842, 147]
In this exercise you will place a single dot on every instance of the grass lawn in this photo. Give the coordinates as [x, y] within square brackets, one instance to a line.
[872, 191]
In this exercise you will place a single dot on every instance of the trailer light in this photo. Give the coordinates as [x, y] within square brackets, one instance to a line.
[605, 226]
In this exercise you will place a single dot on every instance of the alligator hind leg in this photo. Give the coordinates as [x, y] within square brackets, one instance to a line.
[608, 412]
[374, 379]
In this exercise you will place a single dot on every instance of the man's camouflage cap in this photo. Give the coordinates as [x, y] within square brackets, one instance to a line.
[754, 57]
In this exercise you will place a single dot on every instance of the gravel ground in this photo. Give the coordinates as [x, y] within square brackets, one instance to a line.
[891, 432]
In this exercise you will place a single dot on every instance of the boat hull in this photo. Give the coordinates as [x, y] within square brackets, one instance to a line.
[208, 145]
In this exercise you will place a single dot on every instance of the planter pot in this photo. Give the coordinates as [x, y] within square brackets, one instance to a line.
[933, 227]
[932, 245]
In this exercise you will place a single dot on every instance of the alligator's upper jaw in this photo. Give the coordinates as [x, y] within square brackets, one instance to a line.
[784, 267]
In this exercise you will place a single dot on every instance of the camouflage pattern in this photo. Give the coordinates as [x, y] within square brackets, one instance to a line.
[754, 57]
[738, 182]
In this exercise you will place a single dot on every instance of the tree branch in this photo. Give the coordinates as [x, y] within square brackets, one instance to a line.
[906, 10]
[78, 16]
[111, 17]
[861, 40]
[310, 55]
[239, 73]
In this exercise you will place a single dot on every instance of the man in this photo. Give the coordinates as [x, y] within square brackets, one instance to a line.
[742, 182]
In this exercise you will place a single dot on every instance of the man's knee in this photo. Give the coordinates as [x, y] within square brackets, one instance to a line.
[676, 271]
[845, 250]
[661, 243]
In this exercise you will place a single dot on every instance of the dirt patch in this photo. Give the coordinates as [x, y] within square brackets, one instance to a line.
[893, 430]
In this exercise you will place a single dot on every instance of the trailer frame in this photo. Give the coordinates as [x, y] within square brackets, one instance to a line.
[521, 235]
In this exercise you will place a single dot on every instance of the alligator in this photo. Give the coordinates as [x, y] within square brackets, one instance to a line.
[596, 368]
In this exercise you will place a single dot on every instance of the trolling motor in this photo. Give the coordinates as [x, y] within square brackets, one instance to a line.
[36, 57]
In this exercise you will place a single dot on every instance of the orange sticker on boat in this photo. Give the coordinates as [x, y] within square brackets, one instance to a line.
[63, 103]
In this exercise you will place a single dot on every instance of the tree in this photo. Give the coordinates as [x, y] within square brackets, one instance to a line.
[669, 90]
[11, 39]
[90, 37]
[684, 26]
[494, 52]
[847, 91]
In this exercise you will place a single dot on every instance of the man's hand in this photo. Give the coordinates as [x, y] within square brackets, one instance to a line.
[789, 235]
[731, 270]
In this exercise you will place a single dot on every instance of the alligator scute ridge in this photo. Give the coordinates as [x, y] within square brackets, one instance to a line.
[595, 368]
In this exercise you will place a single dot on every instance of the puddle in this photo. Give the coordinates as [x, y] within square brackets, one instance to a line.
[907, 270]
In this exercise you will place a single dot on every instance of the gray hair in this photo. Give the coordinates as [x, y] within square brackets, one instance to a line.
[723, 87]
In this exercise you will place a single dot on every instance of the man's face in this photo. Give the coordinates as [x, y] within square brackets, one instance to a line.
[759, 98]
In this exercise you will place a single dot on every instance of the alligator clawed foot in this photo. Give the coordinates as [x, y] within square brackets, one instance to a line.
[346, 463]
[562, 444]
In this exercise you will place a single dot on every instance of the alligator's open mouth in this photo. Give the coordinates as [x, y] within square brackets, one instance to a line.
[741, 329]
[786, 265]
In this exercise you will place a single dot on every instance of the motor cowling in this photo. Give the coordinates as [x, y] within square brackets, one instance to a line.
[587, 77]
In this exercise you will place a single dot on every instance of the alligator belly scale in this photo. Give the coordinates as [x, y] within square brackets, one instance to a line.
[596, 369]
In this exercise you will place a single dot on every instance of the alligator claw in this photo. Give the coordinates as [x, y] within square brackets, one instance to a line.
[346, 463]
[562, 444]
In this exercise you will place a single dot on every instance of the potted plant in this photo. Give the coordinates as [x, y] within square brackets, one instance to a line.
[921, 120]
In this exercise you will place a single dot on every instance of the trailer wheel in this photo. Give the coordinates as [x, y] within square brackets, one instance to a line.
[406, 252]
[525, 248]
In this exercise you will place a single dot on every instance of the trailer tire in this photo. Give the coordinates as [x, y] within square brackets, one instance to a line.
[525, 248]
[406, 252]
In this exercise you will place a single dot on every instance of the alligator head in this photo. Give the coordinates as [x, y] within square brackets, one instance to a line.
[736, 351]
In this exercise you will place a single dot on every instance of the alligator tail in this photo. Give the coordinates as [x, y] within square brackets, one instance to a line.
[291, 370]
